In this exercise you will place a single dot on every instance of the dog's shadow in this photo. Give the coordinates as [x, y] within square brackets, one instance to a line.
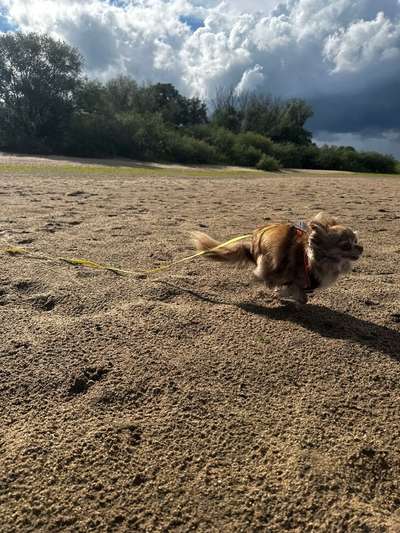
[324, 321]
[335, 325]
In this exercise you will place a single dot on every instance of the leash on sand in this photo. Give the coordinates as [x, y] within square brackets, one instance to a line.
[88, 263]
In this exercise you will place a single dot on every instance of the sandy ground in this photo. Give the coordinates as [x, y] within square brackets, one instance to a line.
[190, 401]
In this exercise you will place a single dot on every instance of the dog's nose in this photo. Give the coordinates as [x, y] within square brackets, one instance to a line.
[359, 248]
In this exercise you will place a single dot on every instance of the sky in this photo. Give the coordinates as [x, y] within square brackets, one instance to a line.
[342, 56]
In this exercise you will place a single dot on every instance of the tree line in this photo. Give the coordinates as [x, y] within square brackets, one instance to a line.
[47, 106]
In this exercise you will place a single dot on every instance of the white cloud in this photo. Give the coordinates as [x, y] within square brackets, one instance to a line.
[140, 39]
[363, 44]
[251, 80]
[249, 6]
[240, 6]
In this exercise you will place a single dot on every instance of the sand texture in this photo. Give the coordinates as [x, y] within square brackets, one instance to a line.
[190, 401]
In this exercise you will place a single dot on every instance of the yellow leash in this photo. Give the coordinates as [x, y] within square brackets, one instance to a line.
[15, 250]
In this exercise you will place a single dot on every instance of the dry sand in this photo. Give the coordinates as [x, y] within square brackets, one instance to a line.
[190, 401]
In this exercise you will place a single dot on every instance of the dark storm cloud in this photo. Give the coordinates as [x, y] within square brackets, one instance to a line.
[372, 109]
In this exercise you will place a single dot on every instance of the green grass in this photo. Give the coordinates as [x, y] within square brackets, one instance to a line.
[66, 169]
[39, 169]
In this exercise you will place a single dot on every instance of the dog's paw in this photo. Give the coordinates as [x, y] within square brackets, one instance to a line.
[291, 294]
[291, 304]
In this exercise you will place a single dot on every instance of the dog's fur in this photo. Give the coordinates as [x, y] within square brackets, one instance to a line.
[292, 262]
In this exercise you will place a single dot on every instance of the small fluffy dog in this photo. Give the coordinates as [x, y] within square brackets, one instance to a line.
[292, 259]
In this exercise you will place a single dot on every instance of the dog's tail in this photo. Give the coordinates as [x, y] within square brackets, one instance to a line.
[239, 253]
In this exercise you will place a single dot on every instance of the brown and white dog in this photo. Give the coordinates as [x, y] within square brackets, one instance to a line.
[292, 259]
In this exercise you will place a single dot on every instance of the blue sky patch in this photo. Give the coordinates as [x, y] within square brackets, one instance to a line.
[119, 3]
[5, 24]
[194, 23]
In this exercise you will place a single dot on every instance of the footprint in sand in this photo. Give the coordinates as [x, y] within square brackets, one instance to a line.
[52, 226]
[26, 240]
[80, 194]
[27, 286]
[44, 302]
[5, 297]
[57, 225]
[27, 291]
[85, 378]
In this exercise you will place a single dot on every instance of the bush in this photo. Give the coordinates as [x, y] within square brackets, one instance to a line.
[245, 156]
[222, 139]
[328, 158]
[309, 155]
[142, 136]
[224, 142]
[294, 155]
[256, 140]
[92, 135]
[346, 158]
[376, 162]
[268, 163]
[185, 149]
[290, 155]
[243, 149]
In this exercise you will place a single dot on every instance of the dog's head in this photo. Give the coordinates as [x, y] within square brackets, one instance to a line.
[333, 241]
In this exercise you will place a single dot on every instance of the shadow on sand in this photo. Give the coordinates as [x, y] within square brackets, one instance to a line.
[322, 320]
[334, 325]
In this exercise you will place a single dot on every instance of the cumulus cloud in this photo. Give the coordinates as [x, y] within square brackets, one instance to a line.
[364, 43]
[341, 55]
[240, 6]
[137, 38]
[251, 80]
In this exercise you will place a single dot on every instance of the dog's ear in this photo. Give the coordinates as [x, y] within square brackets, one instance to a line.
[317, 226]
[324, 219]
[318, 234]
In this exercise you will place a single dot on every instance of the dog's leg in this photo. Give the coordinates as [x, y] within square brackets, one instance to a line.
[292, 294]
[262, 268]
